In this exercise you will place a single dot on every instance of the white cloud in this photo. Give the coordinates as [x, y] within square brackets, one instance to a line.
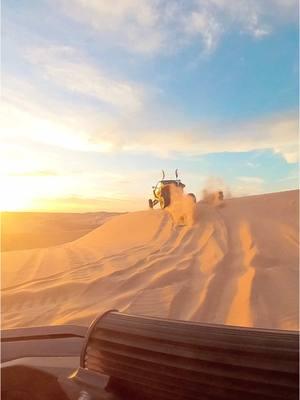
[248, 189]
[205, 25]
[250, 179]
[42, 128]
[292, 176]
[252, 164]
[131, 23]
[151, 26]
[279, 134]
[30, 116]
[67, 69]
[248, 186]
[104, 15]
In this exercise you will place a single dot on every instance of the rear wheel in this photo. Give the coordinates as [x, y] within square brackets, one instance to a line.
[164, 200]
[150, 203]
[193, 197]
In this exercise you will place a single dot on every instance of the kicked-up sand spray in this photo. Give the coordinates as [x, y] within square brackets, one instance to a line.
[182, 208]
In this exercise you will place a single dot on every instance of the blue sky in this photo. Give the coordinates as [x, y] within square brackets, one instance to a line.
[97, 99]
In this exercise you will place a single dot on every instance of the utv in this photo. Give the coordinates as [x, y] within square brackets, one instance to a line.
[162, 191]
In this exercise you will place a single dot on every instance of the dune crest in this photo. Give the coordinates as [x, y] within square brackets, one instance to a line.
[236, 264]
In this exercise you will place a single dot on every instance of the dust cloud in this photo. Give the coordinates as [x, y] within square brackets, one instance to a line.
[182, 208]
[215, 191]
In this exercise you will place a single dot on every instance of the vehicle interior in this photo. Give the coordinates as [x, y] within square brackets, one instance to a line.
[123, 356]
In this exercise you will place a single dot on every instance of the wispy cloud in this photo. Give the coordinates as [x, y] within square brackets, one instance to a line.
[247, 186]
[150, 27]
[205, 25]
[28, 116]
[292, 176]
[252, 164]
[250, 179]
[69, 70]
[40, 127]
[279, 134]
[129, 23]
[35, 173]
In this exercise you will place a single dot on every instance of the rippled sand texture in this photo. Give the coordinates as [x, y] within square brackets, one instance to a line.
[238, 265]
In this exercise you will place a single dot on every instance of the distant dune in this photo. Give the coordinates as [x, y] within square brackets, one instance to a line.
[237, 265]
[28, 230]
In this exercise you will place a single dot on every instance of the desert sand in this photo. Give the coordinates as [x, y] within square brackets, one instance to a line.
[237, 264]
[27, 230]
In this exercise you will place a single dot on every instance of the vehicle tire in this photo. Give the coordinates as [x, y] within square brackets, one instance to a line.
[151, 203]
[193, 197]
[164, 199]
[162, 202]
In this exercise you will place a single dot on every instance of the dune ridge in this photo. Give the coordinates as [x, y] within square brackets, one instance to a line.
[237, 265]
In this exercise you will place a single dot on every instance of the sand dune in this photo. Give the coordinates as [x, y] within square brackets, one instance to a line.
[28, 230]
[238, 264]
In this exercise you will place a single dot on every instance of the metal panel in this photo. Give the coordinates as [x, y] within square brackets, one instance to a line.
[149, 358]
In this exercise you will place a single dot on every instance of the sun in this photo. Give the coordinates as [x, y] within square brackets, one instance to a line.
[23, 193]
[14, 197]
[32, 192]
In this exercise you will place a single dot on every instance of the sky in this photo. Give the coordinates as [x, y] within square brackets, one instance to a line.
[98, 97]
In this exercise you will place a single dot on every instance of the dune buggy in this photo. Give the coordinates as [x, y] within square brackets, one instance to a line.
[162, 191]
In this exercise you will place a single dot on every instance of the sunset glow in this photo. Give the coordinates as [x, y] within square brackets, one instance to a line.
[95, 101]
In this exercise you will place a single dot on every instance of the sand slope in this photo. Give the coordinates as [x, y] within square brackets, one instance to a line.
[237, 265]
[29, 230]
